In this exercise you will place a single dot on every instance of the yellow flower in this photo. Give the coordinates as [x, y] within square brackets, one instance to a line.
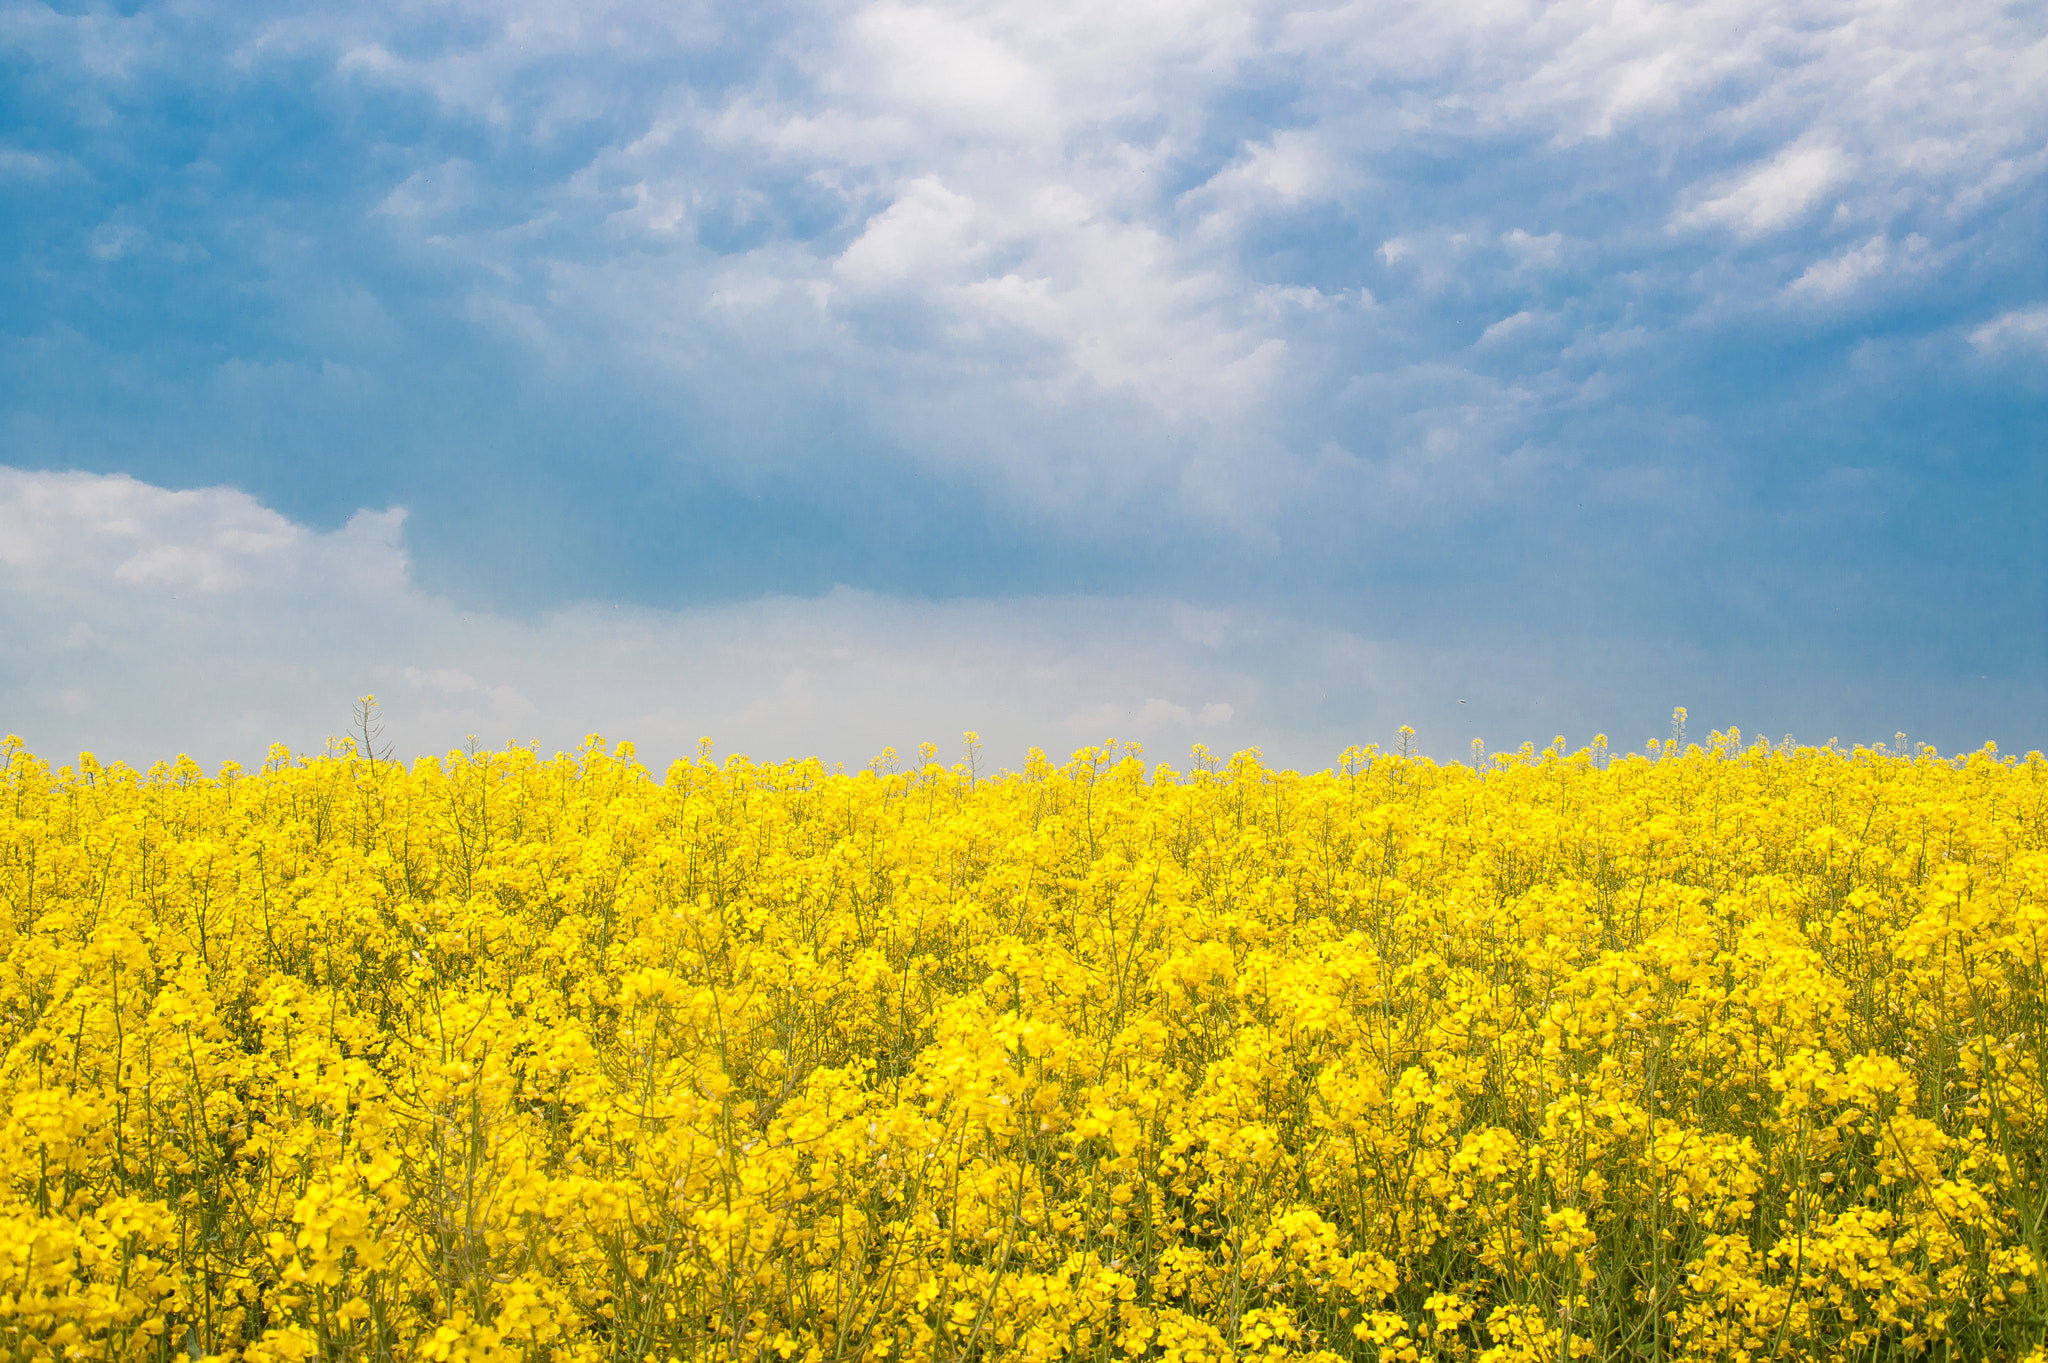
[1730, 1054]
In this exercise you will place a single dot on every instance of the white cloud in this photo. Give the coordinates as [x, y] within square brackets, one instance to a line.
[926, 235]
[1849, 272]
[2022, 327]
[943, 66]
[1289, 170]
[64, 530]
[1508, 328]
[1774, 195]
[1840, 275]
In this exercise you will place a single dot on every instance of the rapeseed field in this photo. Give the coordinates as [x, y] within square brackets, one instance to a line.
[1717, 1051]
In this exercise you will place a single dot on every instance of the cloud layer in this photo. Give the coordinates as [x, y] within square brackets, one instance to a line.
[137, 622]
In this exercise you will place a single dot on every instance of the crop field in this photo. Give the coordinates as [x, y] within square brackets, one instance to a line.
[1720, 1051]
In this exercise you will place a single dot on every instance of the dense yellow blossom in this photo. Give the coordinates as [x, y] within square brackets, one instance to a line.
[1717, 1053]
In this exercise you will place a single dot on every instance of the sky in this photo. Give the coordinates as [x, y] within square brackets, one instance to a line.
[824, 377]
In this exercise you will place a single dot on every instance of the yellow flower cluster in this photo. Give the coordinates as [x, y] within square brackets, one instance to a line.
[1724, 1052]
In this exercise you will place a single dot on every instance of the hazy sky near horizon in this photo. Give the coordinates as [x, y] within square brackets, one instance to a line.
[819, 376]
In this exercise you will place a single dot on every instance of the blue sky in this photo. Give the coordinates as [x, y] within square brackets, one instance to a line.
[820, 376]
